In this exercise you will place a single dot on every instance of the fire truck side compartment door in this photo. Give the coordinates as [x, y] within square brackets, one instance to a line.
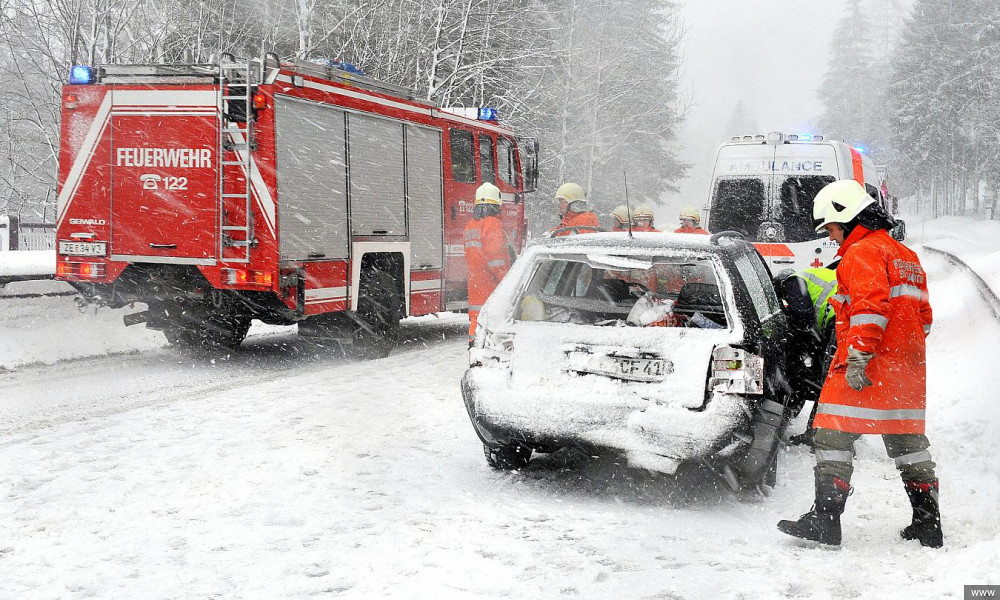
[424, 196]
[312, 180]
[378, 197]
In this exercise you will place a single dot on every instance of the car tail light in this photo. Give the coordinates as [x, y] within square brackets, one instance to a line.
[83, 270]
[491, 349]
[247, 277]
[736, 371]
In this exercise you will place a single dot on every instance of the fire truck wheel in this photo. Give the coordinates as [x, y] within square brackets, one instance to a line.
[225, 334]
[377, 329]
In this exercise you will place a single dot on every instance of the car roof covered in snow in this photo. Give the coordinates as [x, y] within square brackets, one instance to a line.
[646, 241]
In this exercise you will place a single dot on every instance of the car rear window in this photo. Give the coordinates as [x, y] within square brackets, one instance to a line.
[795, 195]
[738, 205]
[624, 291]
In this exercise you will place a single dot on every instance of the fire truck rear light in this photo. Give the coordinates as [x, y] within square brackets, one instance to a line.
[80, 269]
[259, 101]
[246, 277]
[80, 74]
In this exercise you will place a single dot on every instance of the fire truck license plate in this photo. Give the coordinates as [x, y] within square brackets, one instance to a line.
[83, 248]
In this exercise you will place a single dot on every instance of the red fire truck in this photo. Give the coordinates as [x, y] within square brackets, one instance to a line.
[291, 193]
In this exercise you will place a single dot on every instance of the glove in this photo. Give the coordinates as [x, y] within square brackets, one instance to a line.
[856, 363]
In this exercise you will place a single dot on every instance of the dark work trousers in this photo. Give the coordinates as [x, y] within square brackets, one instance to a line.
[835, 454]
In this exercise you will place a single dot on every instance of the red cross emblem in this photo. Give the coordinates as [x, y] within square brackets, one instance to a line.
[816, 263]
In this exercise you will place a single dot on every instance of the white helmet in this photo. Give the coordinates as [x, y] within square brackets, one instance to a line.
[571, 192]
[840, 202]
[621, 214]
[643, 211]
[488, 194]
[690, 212]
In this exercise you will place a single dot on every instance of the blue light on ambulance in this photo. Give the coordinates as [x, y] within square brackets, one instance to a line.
[487, 114]
[805, 136]
[80, 74]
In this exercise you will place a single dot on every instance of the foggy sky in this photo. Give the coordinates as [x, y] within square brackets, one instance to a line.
[772, 54]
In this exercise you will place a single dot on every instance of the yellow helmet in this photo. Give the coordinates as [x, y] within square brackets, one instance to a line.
[621, 214]
[488, 194]
[643, 211]
[570, 192]
[840, 202]
[690, 212]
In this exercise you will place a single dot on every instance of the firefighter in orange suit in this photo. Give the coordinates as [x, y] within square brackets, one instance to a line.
[620, 218]
[690, 220]
[876, 383]
[642, 219]
[575, 211]
[486, 252]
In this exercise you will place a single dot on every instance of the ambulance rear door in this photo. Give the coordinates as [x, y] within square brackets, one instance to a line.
[800, 172]
[741, 186]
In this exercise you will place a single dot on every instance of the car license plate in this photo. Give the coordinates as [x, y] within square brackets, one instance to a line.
[610, 364]
[643, 369]
[83, 248]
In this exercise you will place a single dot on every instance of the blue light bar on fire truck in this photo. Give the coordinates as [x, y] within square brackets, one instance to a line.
[80, 74]
[480, 113]
[861, 149]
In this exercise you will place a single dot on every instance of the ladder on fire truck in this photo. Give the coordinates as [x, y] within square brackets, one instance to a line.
[235, 138]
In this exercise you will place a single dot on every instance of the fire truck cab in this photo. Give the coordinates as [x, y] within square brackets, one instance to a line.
[764, 185]
[287, 192]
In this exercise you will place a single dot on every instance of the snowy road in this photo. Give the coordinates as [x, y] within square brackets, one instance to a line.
[287, 472]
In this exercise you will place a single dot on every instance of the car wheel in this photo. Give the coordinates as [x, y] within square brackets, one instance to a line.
[507, 457]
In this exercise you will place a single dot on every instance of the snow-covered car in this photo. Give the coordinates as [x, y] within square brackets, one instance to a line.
[665, 347]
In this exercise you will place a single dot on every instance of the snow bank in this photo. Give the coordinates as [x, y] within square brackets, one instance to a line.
[27, 262]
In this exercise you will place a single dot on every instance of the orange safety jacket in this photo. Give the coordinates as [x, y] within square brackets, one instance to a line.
[574, 219]
[882, 307]
[646, 229]
[487, 261]
[693, 230]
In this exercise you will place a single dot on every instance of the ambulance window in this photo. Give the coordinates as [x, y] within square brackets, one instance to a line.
[463, 169]
[738, 205]
[796, 195]
[486, 169]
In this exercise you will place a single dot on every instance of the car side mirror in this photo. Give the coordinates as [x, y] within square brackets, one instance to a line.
[898, 232]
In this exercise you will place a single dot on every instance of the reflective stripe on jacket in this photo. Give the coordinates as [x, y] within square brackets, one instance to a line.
[882, 307]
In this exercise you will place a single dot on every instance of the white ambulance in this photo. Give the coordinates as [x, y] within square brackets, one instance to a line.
[764, 185]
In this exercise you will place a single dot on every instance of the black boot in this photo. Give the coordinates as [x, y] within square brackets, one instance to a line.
[805, 438]
[926, 525]
[822, 523]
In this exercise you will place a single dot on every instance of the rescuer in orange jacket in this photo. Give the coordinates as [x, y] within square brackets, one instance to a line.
[642, 219]
[487, 257]
[690, 219]
[575, 212]
[620, 218]
[876, 383]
